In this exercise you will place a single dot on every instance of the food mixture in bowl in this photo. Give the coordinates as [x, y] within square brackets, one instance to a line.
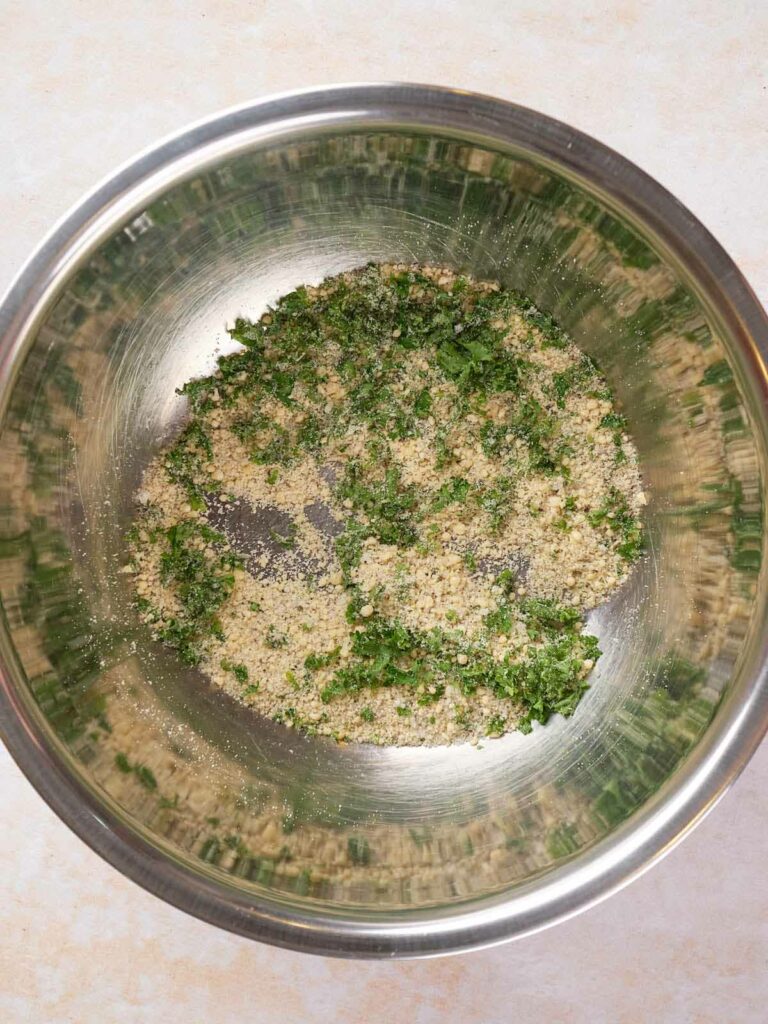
[390, 511]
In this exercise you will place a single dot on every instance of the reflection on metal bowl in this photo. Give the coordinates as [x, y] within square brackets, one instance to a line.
[356, 850]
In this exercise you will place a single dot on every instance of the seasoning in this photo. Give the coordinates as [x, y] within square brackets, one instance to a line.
[448, 487]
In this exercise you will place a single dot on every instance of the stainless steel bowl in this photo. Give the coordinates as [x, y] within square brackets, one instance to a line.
[362, 851]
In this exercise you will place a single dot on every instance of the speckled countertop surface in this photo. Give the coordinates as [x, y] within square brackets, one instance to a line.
[682, 89]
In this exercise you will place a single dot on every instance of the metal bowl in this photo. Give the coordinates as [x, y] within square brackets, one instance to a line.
[357, 850]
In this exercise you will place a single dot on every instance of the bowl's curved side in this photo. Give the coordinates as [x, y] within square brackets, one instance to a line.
[742, 714]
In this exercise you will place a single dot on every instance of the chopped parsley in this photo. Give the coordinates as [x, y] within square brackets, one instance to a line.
[275, 638]
[313, 662]
[549, 680]
[239, 671]
[615, 514]
[198, 566]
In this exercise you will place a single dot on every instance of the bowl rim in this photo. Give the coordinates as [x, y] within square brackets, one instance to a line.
[742, 716]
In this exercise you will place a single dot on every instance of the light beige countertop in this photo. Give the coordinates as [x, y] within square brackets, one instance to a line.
[679, 87]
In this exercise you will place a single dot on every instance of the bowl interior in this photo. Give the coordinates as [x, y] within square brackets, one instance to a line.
[246, 805]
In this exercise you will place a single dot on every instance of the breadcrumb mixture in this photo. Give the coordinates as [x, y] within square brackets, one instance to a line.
[390, 510]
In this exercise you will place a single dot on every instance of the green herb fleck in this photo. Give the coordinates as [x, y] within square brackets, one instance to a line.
[275, 638]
